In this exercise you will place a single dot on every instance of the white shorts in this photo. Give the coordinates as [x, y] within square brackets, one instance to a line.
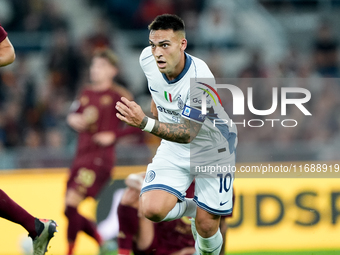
[213, 192]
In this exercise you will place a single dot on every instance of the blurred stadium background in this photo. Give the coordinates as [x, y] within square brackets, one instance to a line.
[289, 39]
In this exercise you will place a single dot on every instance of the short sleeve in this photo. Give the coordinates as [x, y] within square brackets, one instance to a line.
[75, 107]
[81, 99]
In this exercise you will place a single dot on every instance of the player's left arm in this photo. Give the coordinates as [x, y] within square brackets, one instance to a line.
[131, 113]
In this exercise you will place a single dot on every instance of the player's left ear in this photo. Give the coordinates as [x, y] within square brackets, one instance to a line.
[184, 44]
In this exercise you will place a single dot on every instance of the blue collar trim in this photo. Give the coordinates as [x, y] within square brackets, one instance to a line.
[188, 61]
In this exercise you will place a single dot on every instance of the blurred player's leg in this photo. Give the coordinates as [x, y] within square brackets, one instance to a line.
[41, 231]
[15, 213]
[40, 243]
[77, 222]
[128, 228]
[132, 228]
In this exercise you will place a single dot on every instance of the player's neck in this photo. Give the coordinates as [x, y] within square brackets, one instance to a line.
[178, 69]
[101, 86]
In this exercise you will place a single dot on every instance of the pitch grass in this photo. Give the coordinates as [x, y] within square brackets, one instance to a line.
[287, 252]
[279, 253]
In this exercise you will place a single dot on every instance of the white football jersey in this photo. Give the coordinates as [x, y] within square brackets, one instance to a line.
[178, 99]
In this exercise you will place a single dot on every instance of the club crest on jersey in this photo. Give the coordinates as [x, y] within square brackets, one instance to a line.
[105, 100]
[84, 100]
[150, 176]
[168, 96]
[91, 114]
[180, 102]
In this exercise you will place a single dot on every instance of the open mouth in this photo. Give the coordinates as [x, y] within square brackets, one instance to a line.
[161, 64]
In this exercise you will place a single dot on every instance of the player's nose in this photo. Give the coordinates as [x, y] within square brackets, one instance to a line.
[158, 52]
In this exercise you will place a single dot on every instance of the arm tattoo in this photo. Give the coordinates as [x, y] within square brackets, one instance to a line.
[143, 123]
[183, 132]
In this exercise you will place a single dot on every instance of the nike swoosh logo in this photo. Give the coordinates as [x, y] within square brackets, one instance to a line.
[223, 203]
[153, 90]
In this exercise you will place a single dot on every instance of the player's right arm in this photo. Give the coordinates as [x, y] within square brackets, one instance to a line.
[76, 119]
[7, 54]
[132, 114]
[77, 122]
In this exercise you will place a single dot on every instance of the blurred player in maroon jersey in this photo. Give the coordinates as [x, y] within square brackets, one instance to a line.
[41, 231]
[144, 237]
[93, 116]
[7, 54]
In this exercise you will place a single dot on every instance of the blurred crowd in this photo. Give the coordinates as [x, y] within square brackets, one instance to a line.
[33, 16]
[32, 113]
[135, 14]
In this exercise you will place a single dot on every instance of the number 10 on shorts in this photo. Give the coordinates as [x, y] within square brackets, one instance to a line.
[225, 182]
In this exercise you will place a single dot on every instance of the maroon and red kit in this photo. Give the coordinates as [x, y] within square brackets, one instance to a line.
[9, 209]
[172, 236]
[169, 237]
[3, 34]
[93, 163]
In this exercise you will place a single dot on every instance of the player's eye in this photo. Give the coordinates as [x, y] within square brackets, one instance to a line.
[165, 45]
[152, 45]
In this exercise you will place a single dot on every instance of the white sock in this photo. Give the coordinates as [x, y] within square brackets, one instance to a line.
[209, 246]
[186, 208]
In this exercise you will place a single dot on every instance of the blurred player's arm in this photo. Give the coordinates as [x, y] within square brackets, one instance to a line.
[77, 122]
[132, 114]
[7, 54]
[75, 119]
[109, 137]
[104, 138]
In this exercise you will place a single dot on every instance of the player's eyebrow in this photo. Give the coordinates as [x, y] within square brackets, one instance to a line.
[161, 42]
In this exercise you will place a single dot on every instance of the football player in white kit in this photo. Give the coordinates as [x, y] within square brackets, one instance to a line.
[192, 140]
